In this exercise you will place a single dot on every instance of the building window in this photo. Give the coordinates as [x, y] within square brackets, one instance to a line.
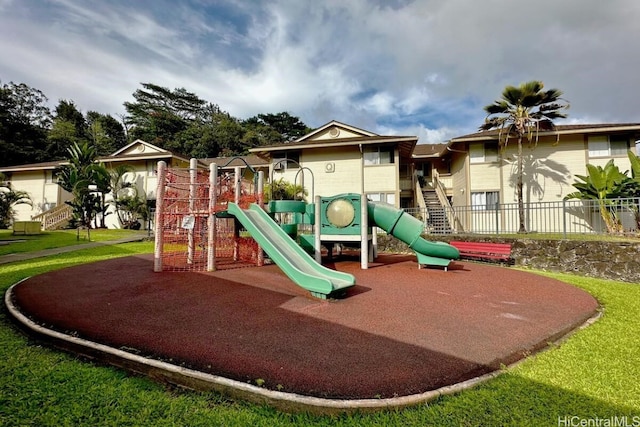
[281, 160]
[152, 169]
[484, 200]
[379, 155]
[389, 198]
[608, 146]
[480, 152]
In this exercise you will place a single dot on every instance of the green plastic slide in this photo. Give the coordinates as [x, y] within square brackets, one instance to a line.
[409, 229]
[291, 258]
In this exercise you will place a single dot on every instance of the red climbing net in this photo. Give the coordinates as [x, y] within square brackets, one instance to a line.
[183, 221]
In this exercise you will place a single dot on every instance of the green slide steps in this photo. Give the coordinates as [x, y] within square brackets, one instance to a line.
[409, 229]
[291, 258]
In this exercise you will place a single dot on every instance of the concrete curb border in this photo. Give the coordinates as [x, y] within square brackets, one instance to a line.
[196, 380]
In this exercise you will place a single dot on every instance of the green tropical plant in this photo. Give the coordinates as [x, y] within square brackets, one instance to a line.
[102, 181]
[603, 184]
[120, 187]
[521, 113]
[133, 209]
[284, 190]
[633, 189]
[83, 178]
[9, 198]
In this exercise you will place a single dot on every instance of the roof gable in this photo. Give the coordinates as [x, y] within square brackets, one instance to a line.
[335, 130]
[139, 147]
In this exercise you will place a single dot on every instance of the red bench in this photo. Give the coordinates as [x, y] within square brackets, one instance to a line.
[480, 251]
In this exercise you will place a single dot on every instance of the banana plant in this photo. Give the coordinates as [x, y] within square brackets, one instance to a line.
[603, 184]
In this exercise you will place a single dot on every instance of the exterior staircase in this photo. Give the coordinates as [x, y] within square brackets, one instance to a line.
[55, 218]
[437, 221]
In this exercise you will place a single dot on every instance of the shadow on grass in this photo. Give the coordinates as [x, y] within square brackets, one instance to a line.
[514, 400]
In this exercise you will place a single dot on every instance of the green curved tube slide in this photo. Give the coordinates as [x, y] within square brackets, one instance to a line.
[409, 229]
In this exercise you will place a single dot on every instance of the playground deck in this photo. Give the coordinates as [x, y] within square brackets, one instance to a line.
[399, 331]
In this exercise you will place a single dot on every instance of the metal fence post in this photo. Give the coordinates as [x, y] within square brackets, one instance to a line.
[564, 219]
[497, 217]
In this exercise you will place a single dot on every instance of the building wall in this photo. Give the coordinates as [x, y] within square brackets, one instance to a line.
[459, 179]
[44, 193]
[550, 169]
[340, 170]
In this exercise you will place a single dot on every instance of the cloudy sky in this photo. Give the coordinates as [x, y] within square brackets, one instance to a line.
[423, 67]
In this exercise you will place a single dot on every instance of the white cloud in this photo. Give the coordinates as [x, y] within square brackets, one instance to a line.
[424, 68]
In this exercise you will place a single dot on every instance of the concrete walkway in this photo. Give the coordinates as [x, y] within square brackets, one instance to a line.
[5, 259]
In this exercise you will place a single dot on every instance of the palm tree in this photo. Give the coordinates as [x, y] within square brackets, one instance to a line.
[522, 112]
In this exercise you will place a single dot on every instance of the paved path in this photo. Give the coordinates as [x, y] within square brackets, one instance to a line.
[22, 256]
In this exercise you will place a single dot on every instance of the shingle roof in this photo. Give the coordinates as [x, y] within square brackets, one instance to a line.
[429, 150]
[561, 129]
[252, 160]
[34, 166]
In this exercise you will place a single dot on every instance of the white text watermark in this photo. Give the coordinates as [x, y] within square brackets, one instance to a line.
[613, 421]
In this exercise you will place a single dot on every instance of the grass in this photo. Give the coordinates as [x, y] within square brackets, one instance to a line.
[55, 239]
[591, 375]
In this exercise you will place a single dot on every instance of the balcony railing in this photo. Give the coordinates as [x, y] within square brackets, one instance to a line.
[562, 217]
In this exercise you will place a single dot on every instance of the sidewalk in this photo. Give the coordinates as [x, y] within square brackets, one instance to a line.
[5, 259]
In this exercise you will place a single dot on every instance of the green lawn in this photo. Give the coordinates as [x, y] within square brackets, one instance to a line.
[594, 374]
[10, 244]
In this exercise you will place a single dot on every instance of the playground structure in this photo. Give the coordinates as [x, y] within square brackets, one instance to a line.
[200, 218]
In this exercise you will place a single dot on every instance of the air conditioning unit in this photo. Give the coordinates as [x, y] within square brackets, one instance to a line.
[329, 167]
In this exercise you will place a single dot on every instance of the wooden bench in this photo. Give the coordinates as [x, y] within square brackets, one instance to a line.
[481, 251]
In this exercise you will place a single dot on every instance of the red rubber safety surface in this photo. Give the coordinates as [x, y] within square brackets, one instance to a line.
[399, 331]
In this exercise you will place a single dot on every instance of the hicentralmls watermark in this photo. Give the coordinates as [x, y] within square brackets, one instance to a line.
[613, 421]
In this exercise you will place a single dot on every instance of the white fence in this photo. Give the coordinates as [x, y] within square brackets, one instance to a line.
[562, 217]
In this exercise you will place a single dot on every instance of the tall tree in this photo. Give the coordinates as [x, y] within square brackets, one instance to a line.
[284, 125]
[521, 112]
[159, 113]
[69, 127]
[24, 122]
[105, 133]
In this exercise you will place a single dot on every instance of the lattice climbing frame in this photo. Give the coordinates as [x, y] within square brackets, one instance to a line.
[192, 231]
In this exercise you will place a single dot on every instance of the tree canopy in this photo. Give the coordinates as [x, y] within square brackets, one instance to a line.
[24, 122]
[181, 121]
[174, 119]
